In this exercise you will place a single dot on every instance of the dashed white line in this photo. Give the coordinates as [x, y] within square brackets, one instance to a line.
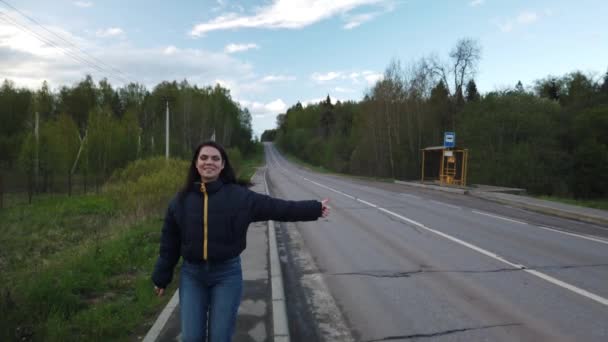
[485, 252]
[411, 196]
[446, 204]
[498, 217]
[586, 237]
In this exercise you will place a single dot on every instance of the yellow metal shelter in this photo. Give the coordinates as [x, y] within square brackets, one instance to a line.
[446, 165]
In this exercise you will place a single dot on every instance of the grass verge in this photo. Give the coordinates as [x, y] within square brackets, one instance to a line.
[249, 165]
[596, 204]
[97, 291]
[78, 268]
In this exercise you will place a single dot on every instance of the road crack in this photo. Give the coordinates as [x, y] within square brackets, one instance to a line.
[442, 333]
[406, 274]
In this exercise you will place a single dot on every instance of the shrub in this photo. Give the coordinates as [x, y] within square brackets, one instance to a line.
[146, 186]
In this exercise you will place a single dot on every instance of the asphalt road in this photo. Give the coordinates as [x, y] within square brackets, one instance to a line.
[402, 264]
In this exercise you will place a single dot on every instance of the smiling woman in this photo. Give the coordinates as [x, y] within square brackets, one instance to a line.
[206, 224]
[209, 164]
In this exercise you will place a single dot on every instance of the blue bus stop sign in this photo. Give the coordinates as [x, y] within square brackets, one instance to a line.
[449, 139]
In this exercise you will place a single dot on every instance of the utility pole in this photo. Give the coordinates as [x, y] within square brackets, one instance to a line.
[167, 133]
[37, 160]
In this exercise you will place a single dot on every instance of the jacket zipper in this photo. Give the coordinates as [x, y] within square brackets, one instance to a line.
[205, 203]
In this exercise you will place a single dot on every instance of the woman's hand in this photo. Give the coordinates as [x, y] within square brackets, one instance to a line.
[324, 208]
[159, 292]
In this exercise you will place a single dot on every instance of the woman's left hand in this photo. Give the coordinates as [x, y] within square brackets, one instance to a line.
[324, 207]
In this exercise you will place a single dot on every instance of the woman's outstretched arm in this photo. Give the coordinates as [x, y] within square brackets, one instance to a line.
[266, 208]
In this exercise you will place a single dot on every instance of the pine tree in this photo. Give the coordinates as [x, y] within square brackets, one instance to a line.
[472, 93]
[604, 86]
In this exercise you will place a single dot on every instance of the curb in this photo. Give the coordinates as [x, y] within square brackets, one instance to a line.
[162, 319]
[434, 187]
[280, 329]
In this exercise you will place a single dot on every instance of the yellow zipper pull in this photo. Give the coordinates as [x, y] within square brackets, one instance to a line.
[206, 200]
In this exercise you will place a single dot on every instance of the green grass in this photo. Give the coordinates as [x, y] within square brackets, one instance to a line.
[32, 234]
[597, 204]
[78, 268]
[89, 294]
[251, 163]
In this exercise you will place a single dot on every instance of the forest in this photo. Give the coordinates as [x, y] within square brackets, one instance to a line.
[549, 137]
[79, 135]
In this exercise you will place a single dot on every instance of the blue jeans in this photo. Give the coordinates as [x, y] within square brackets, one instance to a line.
[209, 297]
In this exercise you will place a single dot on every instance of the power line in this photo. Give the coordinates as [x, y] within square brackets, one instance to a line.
[119, 72]
[8, 19]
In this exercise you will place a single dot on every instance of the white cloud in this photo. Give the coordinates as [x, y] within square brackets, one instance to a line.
[524, 18]
[18, 41]
[83, 4]
[28, 62]
[170, 50]
[276, 106]
[343, 90]
[476, 3]
[232, 48]
[372, 77]
[527, 17]
[332, 75]
[110, 32]
[283, 14]
[506, 27]
[264, 115]
[259, 109]
[353, 21]
[356, 77]
[359, 19]
[278, 78]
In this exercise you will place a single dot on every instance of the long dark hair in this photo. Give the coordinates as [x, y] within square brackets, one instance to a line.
[226, 175]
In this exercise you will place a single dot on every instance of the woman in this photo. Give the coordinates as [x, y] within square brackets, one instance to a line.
[206, 223]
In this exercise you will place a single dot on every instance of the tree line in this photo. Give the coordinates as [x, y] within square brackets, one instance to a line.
[549, 138]
[91, 129]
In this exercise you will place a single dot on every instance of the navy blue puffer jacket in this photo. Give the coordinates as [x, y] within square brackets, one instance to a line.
[210, 222]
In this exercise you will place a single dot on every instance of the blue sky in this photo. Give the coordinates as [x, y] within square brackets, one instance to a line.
[271, 54]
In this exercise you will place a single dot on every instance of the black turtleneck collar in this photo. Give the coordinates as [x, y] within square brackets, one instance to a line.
[211, 187]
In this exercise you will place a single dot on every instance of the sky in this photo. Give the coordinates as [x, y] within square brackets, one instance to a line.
[273, 53]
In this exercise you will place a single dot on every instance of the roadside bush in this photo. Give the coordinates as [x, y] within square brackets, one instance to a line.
[236, 160]
[145, 187]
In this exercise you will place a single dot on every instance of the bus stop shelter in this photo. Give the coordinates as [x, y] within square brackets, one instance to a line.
[446, 165]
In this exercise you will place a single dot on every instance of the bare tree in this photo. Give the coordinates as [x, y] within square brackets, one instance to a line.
[461, 67]
[437, 69]
[465, 56]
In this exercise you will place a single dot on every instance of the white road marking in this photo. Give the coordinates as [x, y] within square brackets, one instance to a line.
[498, 217]
[586, 237]
[581, 236]
[485, 252]
[446, 204]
